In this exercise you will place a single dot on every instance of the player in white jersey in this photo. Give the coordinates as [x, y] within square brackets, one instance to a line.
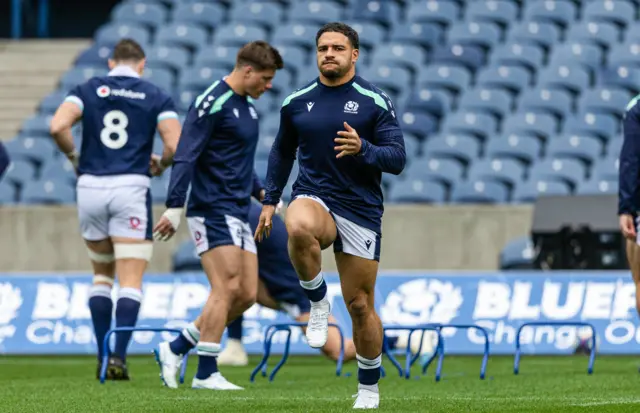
[120, 114]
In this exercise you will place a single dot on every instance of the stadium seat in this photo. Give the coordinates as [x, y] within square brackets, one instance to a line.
[199, 78]
[206, 15]
[370, 34]
[315, 12]
[556, 102]
[539, 33]
[599, 125]
[185, 97]
[569, 76]
[263, 148]
[601, 33]
[540, 124]
[608, 101]
[112, 33]
[51, 102]
[448, 77]
[158, 188]
[8, 194]
[167, 57]
[566, 170]
[613, 147]
[606, 169]
[260, 166]
[296, 59]
[596, 187]
[447, 171]
[588, 55]
[185, 258]
[236, 35]
[443, 12]
[148, 14]
[624, 54]
[499, 12]
[59, 169]
[296, 34]
[483, 34]
[95, 55]
[182, 34]
[78, 75]
[584, 148]
[518, 254]
[464, 148]
[391, 79]
[216, 56]
[528, 191]
[265, 14]
[527, 55]
[622, 77]
[479, 192]
[385, 13]
[163, 78]
[426, 35]
[418, 191]
[282, 84]
[411, 146]
[511, 78]
[621, 12]
[559, 12]
[47, 191]
[36, 150]
[496, 102]
[418, 124]
[267, 103]
[19, 172]
[507, 171]
[397, 54]
[466, 55]
[432, 102]
[473, 123]
[523, 147]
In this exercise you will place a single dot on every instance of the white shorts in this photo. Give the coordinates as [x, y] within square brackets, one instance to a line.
[209, 233]
[123, 211]
[352, 238]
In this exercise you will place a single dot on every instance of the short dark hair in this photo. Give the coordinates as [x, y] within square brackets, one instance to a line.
[345, 29]
[260, 55]
[128, 50]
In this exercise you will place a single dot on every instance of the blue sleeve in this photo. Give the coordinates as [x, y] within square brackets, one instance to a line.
[4, 159]
[195, 134]
[75, 96]
[281, 158]
[388, 152]
[257, 186]
[629, 164]
[166, 107]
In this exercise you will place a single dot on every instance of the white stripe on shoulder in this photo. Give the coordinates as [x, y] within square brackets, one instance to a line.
[76, 100]
[167, 114]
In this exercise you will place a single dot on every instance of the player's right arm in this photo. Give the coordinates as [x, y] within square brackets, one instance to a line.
[195, 133]
[629, 172]
[68, 113]
[169, 130]
[281, 159]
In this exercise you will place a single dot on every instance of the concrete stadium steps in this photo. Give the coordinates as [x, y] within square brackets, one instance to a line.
[29, 71]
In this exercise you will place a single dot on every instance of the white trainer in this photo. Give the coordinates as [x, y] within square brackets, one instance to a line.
[169, 364]
[214, 382]
[233, 354]
[318, 325]
[366, 399]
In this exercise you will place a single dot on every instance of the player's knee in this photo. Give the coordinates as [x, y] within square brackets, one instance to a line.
[300, 230]
[140, 251]
[359, 305]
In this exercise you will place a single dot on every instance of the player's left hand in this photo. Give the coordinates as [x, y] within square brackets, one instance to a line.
[155, 165]
[349, 143]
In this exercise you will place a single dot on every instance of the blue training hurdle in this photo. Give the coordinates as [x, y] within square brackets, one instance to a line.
[268, 341]
[105, 348]
[592, 356]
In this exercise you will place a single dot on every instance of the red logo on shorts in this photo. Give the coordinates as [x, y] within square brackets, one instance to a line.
[134, 222]
[198, 236]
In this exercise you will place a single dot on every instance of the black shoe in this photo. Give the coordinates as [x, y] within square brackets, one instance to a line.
[117, 369]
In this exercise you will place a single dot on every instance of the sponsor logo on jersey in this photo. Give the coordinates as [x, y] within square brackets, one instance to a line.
[105, 91]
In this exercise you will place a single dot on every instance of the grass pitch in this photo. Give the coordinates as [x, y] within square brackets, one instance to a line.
[309, 384]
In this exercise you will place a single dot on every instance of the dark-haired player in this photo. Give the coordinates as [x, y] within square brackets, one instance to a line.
[346, 135]
[216, 155]
[120, 114]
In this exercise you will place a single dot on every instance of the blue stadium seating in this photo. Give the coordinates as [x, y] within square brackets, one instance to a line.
[518, 254]
[538, 84]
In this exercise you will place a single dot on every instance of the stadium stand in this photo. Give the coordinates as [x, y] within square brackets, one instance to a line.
[501, 100]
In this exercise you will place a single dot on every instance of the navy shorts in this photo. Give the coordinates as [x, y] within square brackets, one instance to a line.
[285, 288]
[212, 232]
